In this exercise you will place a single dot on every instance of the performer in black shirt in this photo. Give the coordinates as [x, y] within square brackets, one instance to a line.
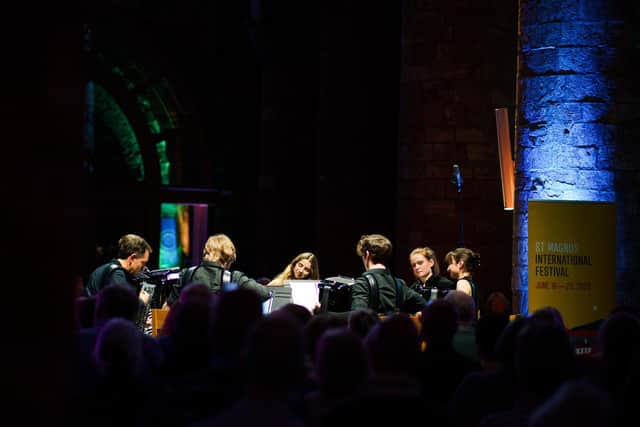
[426, 270]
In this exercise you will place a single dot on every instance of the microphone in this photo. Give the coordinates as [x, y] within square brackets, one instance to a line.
[457, 178]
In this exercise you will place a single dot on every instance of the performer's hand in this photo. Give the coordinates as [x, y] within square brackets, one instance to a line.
[144, 296]
[316, 308]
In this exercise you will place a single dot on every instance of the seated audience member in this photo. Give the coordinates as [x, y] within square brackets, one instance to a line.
[544, 359]
[186, 389]
[112, 302]
[464, 340]
[270, 393]
[575, 403]
[549, 315]
[299, 312]
[316, 326]
[394, 339]
[361, 321]
[441, 367]
[488, 330]
[236, 314]
[483, 392]
[618, 362]
[341, 370]
[198, 291]
[393, 395]
[188, 346]
[123, 381]
[498, 304]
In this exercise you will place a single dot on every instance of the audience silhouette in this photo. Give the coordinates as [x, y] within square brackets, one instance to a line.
[220, 361]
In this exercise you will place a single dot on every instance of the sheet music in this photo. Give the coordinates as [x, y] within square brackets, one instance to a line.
[304, 292]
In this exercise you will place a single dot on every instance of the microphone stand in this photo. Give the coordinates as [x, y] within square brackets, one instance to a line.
[457, 182]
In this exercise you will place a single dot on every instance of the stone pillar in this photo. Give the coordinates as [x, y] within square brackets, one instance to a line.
[569, 112]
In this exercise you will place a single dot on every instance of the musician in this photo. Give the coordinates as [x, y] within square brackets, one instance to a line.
[462, 262]
[217, 256]
[377, 288]
[132, 258]
[302, 267]
[426, 270]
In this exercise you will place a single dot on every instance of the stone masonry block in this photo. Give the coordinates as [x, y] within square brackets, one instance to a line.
[570, 112]
[536, 11]
[539, 90]
[600, 180]
[558, 60]
[565, 34]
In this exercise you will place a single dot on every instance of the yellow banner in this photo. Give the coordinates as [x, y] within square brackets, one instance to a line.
[572, 259]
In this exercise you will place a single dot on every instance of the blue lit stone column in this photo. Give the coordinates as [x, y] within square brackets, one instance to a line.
[567, 110]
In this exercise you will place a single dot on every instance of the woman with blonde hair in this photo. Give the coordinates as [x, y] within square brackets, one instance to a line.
[426, 270]
[302, 267]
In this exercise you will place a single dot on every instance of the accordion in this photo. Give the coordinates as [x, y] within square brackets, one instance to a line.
[334, 294]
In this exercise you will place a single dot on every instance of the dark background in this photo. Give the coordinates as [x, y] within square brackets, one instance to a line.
[292, 111]
[313, 124]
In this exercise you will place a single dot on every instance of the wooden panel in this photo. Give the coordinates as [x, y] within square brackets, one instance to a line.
[506, 158]
[158, 316]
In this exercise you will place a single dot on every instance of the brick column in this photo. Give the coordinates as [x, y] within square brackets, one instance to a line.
[569, 113]
[458, 65]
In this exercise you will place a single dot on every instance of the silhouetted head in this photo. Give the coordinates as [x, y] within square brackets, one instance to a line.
[116, 301]
[393, 346]
[341, 365]
[439, 323]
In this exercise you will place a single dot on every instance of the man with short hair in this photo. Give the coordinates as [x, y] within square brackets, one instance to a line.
[377, 288]
[132, 258]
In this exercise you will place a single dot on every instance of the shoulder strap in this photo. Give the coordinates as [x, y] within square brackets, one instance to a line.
[106, 276]
[374, 292]
[474, 293]
[188, 275]
[399, 293]
[226, 277]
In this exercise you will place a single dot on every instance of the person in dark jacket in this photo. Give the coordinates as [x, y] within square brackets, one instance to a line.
[217, 256]
[426, 270]
[377, 288]
[131, 260]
